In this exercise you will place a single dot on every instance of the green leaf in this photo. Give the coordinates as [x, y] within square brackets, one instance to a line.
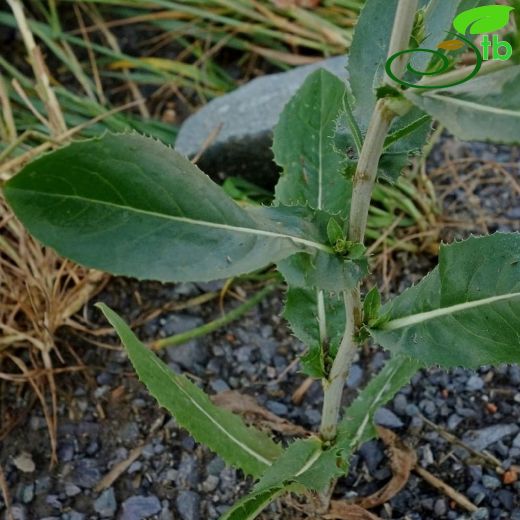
[334, 231]
[303, 147]
[368, 54]
[313, 362]
[301, 311]
[220, 430]
[129, 205]
[304, 463]
[357, 426]
[331, 273]
[486, 108]
[249, 507]
[482, 20]
[371, 305]
[307, 462]
[466, 312]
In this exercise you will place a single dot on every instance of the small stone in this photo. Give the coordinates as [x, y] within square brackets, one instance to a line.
[480, 439]
[72, 515]
[188, 472]
[86, 473]
[372, 455]
[135, 467]
[188, 505]
[24, 462]
[276, 407]
[18, 512]
[506, 498]
[312, 416]
[210, 484]
[475, 383]
[440, 507]
[140, 507]
[219, 385]
[105, 505]
[490, 482]
[53, 501]
[400, 404]
[216, 466]
[28, 494]
[516, 441]
[71, 490]
[480, 514]
[385, 417]
[355, 376]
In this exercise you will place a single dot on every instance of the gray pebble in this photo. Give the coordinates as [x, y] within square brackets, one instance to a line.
[28, 494]
[480, 514]
[86, 473]
[387, 418]
[188, 505]
[105, 505]
[18, 512]
[188, 474]
[475, 383]
[440, 507]
[71, 490]
[276, 407]
[491, 482]
[140, 507]
[355, 376]
[481, 439]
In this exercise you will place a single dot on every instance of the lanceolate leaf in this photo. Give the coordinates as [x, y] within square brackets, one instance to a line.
[220, 430]
[129, 205]
[253, 504]
[465, 312]
[486, 108]
[357, 426]
[303, 147]
[305, 463]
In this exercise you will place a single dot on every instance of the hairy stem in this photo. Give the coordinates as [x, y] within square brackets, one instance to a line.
[363, 184]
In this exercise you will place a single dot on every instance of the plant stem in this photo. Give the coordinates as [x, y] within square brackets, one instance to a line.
[184, 337]
[363, 184]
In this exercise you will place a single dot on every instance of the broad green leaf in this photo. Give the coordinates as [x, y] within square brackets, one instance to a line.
[466, 312]
[130, 205]
[482, 20]
[357, 426]
[303, 147]
[221, 431]
[486, 108]
[324, 271]
[301, 311]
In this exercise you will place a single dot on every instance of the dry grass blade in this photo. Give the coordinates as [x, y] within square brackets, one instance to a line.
[247, 406]
[402, 461]
[39, 293]
[340, 510]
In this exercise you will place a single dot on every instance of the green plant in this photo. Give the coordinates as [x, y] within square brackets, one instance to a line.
[132, 206]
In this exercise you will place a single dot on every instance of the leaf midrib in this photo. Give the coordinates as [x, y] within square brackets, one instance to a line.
[243, 446]
[185, 220]
[414, 319]
[477, 106]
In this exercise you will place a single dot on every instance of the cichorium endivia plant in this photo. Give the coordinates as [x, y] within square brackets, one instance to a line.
[131, 206]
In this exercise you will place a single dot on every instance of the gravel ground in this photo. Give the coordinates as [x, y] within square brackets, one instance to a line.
[105, 414]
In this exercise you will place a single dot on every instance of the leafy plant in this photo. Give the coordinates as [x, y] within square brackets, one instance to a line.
[130, 205]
